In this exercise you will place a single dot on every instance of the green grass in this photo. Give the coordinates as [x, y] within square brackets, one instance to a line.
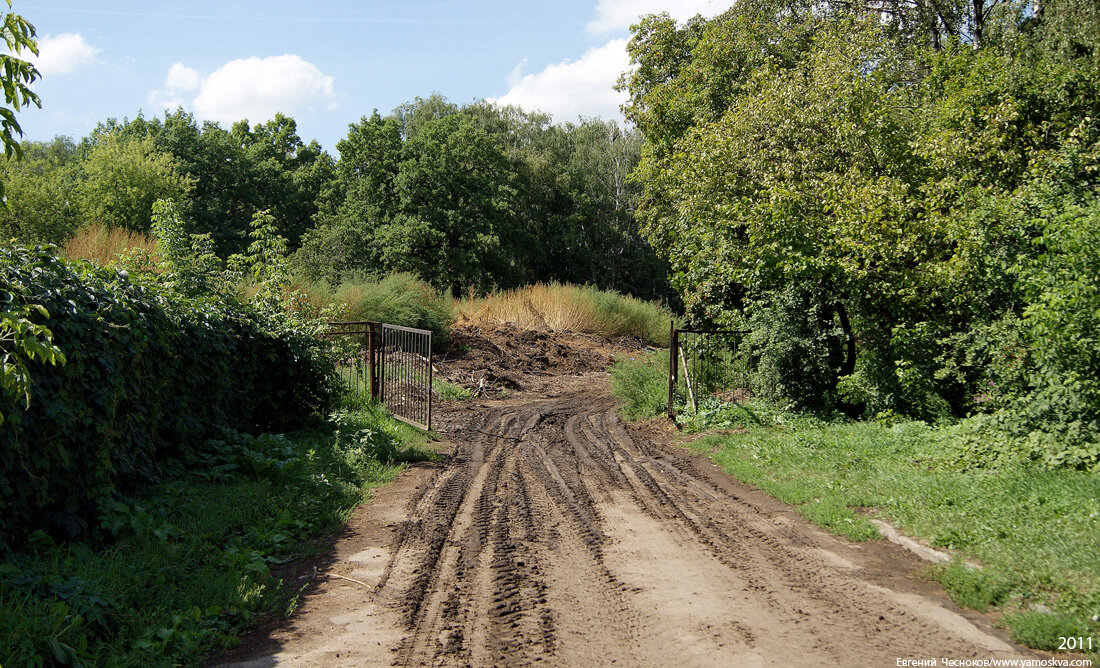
[181, 572]
[399, 299]
[448, 391]
[1036, 533]
[641, 383]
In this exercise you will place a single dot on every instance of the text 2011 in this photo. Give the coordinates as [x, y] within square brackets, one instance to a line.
[1075, 642]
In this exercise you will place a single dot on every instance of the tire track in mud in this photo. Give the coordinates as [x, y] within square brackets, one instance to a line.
[554, 536]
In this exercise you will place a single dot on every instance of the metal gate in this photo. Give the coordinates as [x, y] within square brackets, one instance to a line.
[388, 363]
[702, 362]
[355, 346]
[406, 374]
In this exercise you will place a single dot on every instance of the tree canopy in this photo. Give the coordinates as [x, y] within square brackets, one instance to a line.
[874, 185]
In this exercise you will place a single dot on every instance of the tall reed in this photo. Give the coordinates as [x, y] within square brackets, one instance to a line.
[103, 245]
[558, 307]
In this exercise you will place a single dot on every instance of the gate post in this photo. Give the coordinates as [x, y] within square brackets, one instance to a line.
[372, 353]
[673, 368]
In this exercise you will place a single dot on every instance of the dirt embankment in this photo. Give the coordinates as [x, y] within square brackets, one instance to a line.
[494, 360]
[553, 533]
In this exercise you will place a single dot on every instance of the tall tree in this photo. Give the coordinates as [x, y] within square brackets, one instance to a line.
[121, 178]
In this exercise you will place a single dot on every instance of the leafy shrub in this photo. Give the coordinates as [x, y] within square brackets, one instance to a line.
[148, 373]
[399, 299]
[168, 577]
[1053, 421]
[642, 384]
[795, 348]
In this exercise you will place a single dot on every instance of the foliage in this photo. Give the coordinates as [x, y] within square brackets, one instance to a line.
[128, 404]
[122, 177]
[187, 261]
[17, 77]
[480, 197]
[23, 343]
[886, 203]
[178, 573]
[265, 263]
[41, 193]
[235, 173]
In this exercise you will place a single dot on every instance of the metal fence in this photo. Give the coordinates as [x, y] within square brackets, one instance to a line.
[406, 374]
[388, 363]
[356, 349]
[702, 363]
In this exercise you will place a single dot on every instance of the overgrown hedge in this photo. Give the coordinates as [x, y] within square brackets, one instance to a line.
[149, 375]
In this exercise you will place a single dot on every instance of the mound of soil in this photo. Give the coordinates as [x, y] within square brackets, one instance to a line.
[489, 359]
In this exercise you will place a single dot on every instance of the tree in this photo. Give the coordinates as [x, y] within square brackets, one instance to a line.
[42, 192]
[479, 196]
[123, 176]
[858, 194]
[17, 75]
[22, 341]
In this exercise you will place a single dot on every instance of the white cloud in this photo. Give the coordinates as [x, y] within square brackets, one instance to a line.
[62, 53]
[253, 88]
[570, 89]
[517, 73]
[182, 78]
[616, 15]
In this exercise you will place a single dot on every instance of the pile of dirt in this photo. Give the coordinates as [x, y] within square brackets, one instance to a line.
[489, 359]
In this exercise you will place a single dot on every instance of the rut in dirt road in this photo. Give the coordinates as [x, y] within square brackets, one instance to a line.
[554, 536]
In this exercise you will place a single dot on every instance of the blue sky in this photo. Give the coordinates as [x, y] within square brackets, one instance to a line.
[326, 63]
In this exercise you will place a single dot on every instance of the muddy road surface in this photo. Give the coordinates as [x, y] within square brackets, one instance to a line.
[554, 534]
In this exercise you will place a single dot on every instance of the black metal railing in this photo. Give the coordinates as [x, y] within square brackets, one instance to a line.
[355, 345]
[702, 362]
[388, 363]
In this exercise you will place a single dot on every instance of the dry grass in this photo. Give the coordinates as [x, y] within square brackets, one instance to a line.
[103, 245]
[558, 307]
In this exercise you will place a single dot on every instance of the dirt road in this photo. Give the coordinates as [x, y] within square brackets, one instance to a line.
[553, 535]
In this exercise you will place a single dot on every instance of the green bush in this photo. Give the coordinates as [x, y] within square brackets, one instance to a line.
[148, 373]
[1053, 420]
[181, 571]
[642, 384]
[796, 349]
[399, 299]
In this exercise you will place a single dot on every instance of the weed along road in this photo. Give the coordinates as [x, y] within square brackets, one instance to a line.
[554, 533]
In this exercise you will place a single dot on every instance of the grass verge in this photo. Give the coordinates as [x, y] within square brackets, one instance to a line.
[1035, 533]
[448, 391]
[558, 307]
[182, 571]
[641, 383]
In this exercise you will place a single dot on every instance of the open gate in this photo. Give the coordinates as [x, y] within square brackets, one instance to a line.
[406, 385]
[702, 362]
[389, 363]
